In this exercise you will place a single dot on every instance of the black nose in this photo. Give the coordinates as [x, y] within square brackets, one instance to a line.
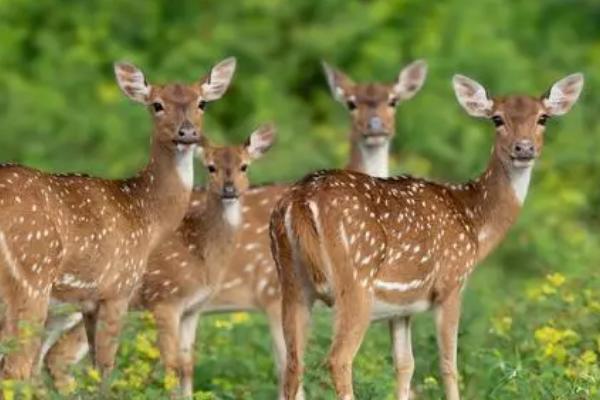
[524, 149]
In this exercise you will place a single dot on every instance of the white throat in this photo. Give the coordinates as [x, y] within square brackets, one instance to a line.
[375, 159]
[519, 180]
[184, 160]
[232, 212]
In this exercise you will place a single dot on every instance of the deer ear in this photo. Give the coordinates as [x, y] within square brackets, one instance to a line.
[260, 141]
[339, 83]
[215, 84]
[472, 96]
[410, 80]
[563, 94]
[132, 82]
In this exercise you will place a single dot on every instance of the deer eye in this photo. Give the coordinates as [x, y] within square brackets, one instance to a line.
[543, 119]
[393, 102]
[212, 169]
[158, 107]
[202, 104]
[351, 105]
[497, 120]
[244, 167]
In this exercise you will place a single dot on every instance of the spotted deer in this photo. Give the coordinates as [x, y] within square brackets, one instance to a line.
[251, 281]
[390, 248]
[85, 240]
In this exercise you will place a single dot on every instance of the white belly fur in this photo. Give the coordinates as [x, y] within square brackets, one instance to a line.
[383, 310]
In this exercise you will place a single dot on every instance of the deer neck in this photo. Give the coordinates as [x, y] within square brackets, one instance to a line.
[493, 201]
[370, 160]
[164, 187]
[213, 232]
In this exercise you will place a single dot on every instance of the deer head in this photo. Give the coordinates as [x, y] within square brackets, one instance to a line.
[372, 106]
[177, 109]
[227, 166]
[519, 120]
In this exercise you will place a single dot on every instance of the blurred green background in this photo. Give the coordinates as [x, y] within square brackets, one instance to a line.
[60, 110]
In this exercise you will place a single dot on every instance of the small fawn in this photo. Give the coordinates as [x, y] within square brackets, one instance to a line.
[188, 268]
[389, 248]
[83, 240]
[251, 281]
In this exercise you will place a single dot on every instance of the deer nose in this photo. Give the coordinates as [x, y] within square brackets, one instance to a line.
[187, 131]
[524, 149]
[229, 190]
[375, 124]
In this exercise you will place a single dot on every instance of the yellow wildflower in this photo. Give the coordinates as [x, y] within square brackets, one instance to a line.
[556, 279]
[588, 357]
[8, 389]
[94, 374]
[144, 346]
[240, 318]
[548, 289]
[171, 381]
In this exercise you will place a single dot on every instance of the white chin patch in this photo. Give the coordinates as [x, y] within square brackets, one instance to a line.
[185, 163]
[375, 140]
[232, 211]
[523, 163]
[520, 175]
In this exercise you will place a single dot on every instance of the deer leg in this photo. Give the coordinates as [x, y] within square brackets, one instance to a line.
[108, 329]
[167, 323]
[187, 337]
[69, 349]
[89, 323]
[25, 317]
[56, 327]
[279, 349]
[403, 357]
[352, 318]
[447, 320]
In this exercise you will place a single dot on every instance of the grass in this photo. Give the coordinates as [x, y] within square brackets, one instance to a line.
[542, 343]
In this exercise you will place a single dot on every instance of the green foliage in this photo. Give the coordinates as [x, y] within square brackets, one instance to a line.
[60, 110]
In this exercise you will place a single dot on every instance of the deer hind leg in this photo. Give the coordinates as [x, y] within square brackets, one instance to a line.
[108, 329]
[187, 338]
[295, 312]
[26, 312]
[167, 323]
[447, 320]
[274, 318]
[57, 325]
[403, 357]
[351, 321]
[69, 349]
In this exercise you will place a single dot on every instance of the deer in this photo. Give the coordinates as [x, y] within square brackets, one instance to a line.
[386, 249]
[251, 282]
[75, 239]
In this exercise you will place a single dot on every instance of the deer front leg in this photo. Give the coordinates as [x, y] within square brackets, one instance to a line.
[352, 319]
[25, 315]
[447, 320]
[108, 329]
[404, 361]
[187, 338]
[167, 323]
